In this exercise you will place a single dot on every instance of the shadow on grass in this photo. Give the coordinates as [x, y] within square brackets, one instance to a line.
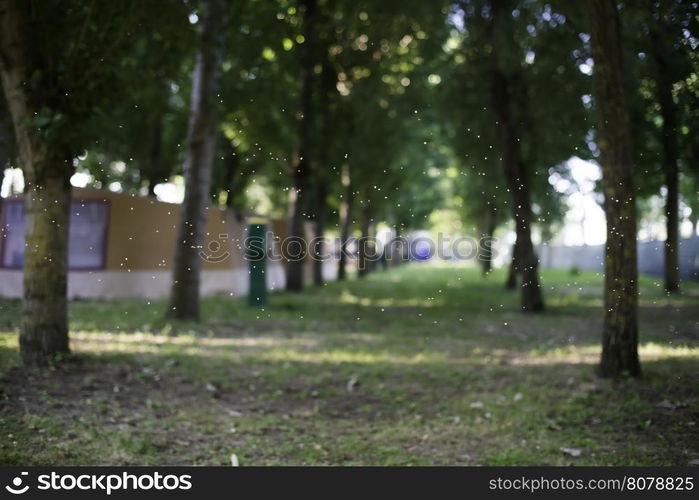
[413, 366]
[178, 408]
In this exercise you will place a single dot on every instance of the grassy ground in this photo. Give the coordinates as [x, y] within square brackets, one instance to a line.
[421, 365]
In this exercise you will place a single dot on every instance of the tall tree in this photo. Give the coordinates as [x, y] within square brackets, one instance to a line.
[47, 169]
[663, 35]
[346, 214]
[304, 157]
[201, 139]
[620, 330]
[518, 178]
[670, 167]
[60, 64]
[322, 171]
[5, 135]
[535, 54]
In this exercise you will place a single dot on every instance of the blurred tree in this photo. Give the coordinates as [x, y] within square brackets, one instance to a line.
[61, 63]
[6, 137]
[662, 54]
[202, 131]
[545, 89]
[659, 45]
[305, 154]
[504, 64]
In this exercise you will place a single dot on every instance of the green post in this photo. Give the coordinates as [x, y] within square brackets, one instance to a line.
[256, 254]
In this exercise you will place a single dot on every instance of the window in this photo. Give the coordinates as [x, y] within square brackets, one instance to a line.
[87, 237]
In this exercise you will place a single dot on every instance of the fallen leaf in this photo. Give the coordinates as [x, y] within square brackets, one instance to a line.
[573, 452]
[666, 404]
[352, 383]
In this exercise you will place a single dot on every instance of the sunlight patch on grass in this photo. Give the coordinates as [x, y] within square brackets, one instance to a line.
[590, 354]
[573, 299]
[190, 345]
[9, 340]
[344, 356]
[190, 340]
[347, 298]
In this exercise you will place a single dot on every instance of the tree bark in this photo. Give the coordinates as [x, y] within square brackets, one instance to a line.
[511, 282]
[620, 330]
[5, 140]
[47, 193]
[346, 213]
[487, 229]
[366, 248]
[327, 85]
[155, 154]
[47, 170]
[303, 161]
[232, 165]
[321, 208]
[201, 137]
[5, 137]
[669, 141]
[512, 162]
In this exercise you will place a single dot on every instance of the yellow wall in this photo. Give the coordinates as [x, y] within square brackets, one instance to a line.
[141, 232]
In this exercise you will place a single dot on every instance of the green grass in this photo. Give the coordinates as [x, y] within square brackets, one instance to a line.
[448, 370]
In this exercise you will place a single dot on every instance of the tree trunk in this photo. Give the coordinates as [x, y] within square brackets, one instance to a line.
[328, 80]
[511, 282]
[155, 154]
[44, 326]
[232, 164]
[321, 202]
[303, 161]
[620, 331]
[5, 137]
[485, 253]
[346, 211]
[513, 165]
[201, 137]
[47, 170]
[397, 252]
[669, 141]
[366, 258]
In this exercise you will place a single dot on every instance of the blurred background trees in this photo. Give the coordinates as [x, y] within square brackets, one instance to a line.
[357, 117]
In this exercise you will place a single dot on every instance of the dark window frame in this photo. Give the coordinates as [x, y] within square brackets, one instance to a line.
[79, 202]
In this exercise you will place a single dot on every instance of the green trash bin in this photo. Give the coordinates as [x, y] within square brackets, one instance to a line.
[256, 254]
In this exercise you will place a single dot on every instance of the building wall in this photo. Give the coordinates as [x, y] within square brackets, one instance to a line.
[651, 257]
[140, 245]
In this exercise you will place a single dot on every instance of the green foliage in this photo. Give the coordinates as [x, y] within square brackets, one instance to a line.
[82, 59]
[549, 112]
[401, 91]
[665, 30]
